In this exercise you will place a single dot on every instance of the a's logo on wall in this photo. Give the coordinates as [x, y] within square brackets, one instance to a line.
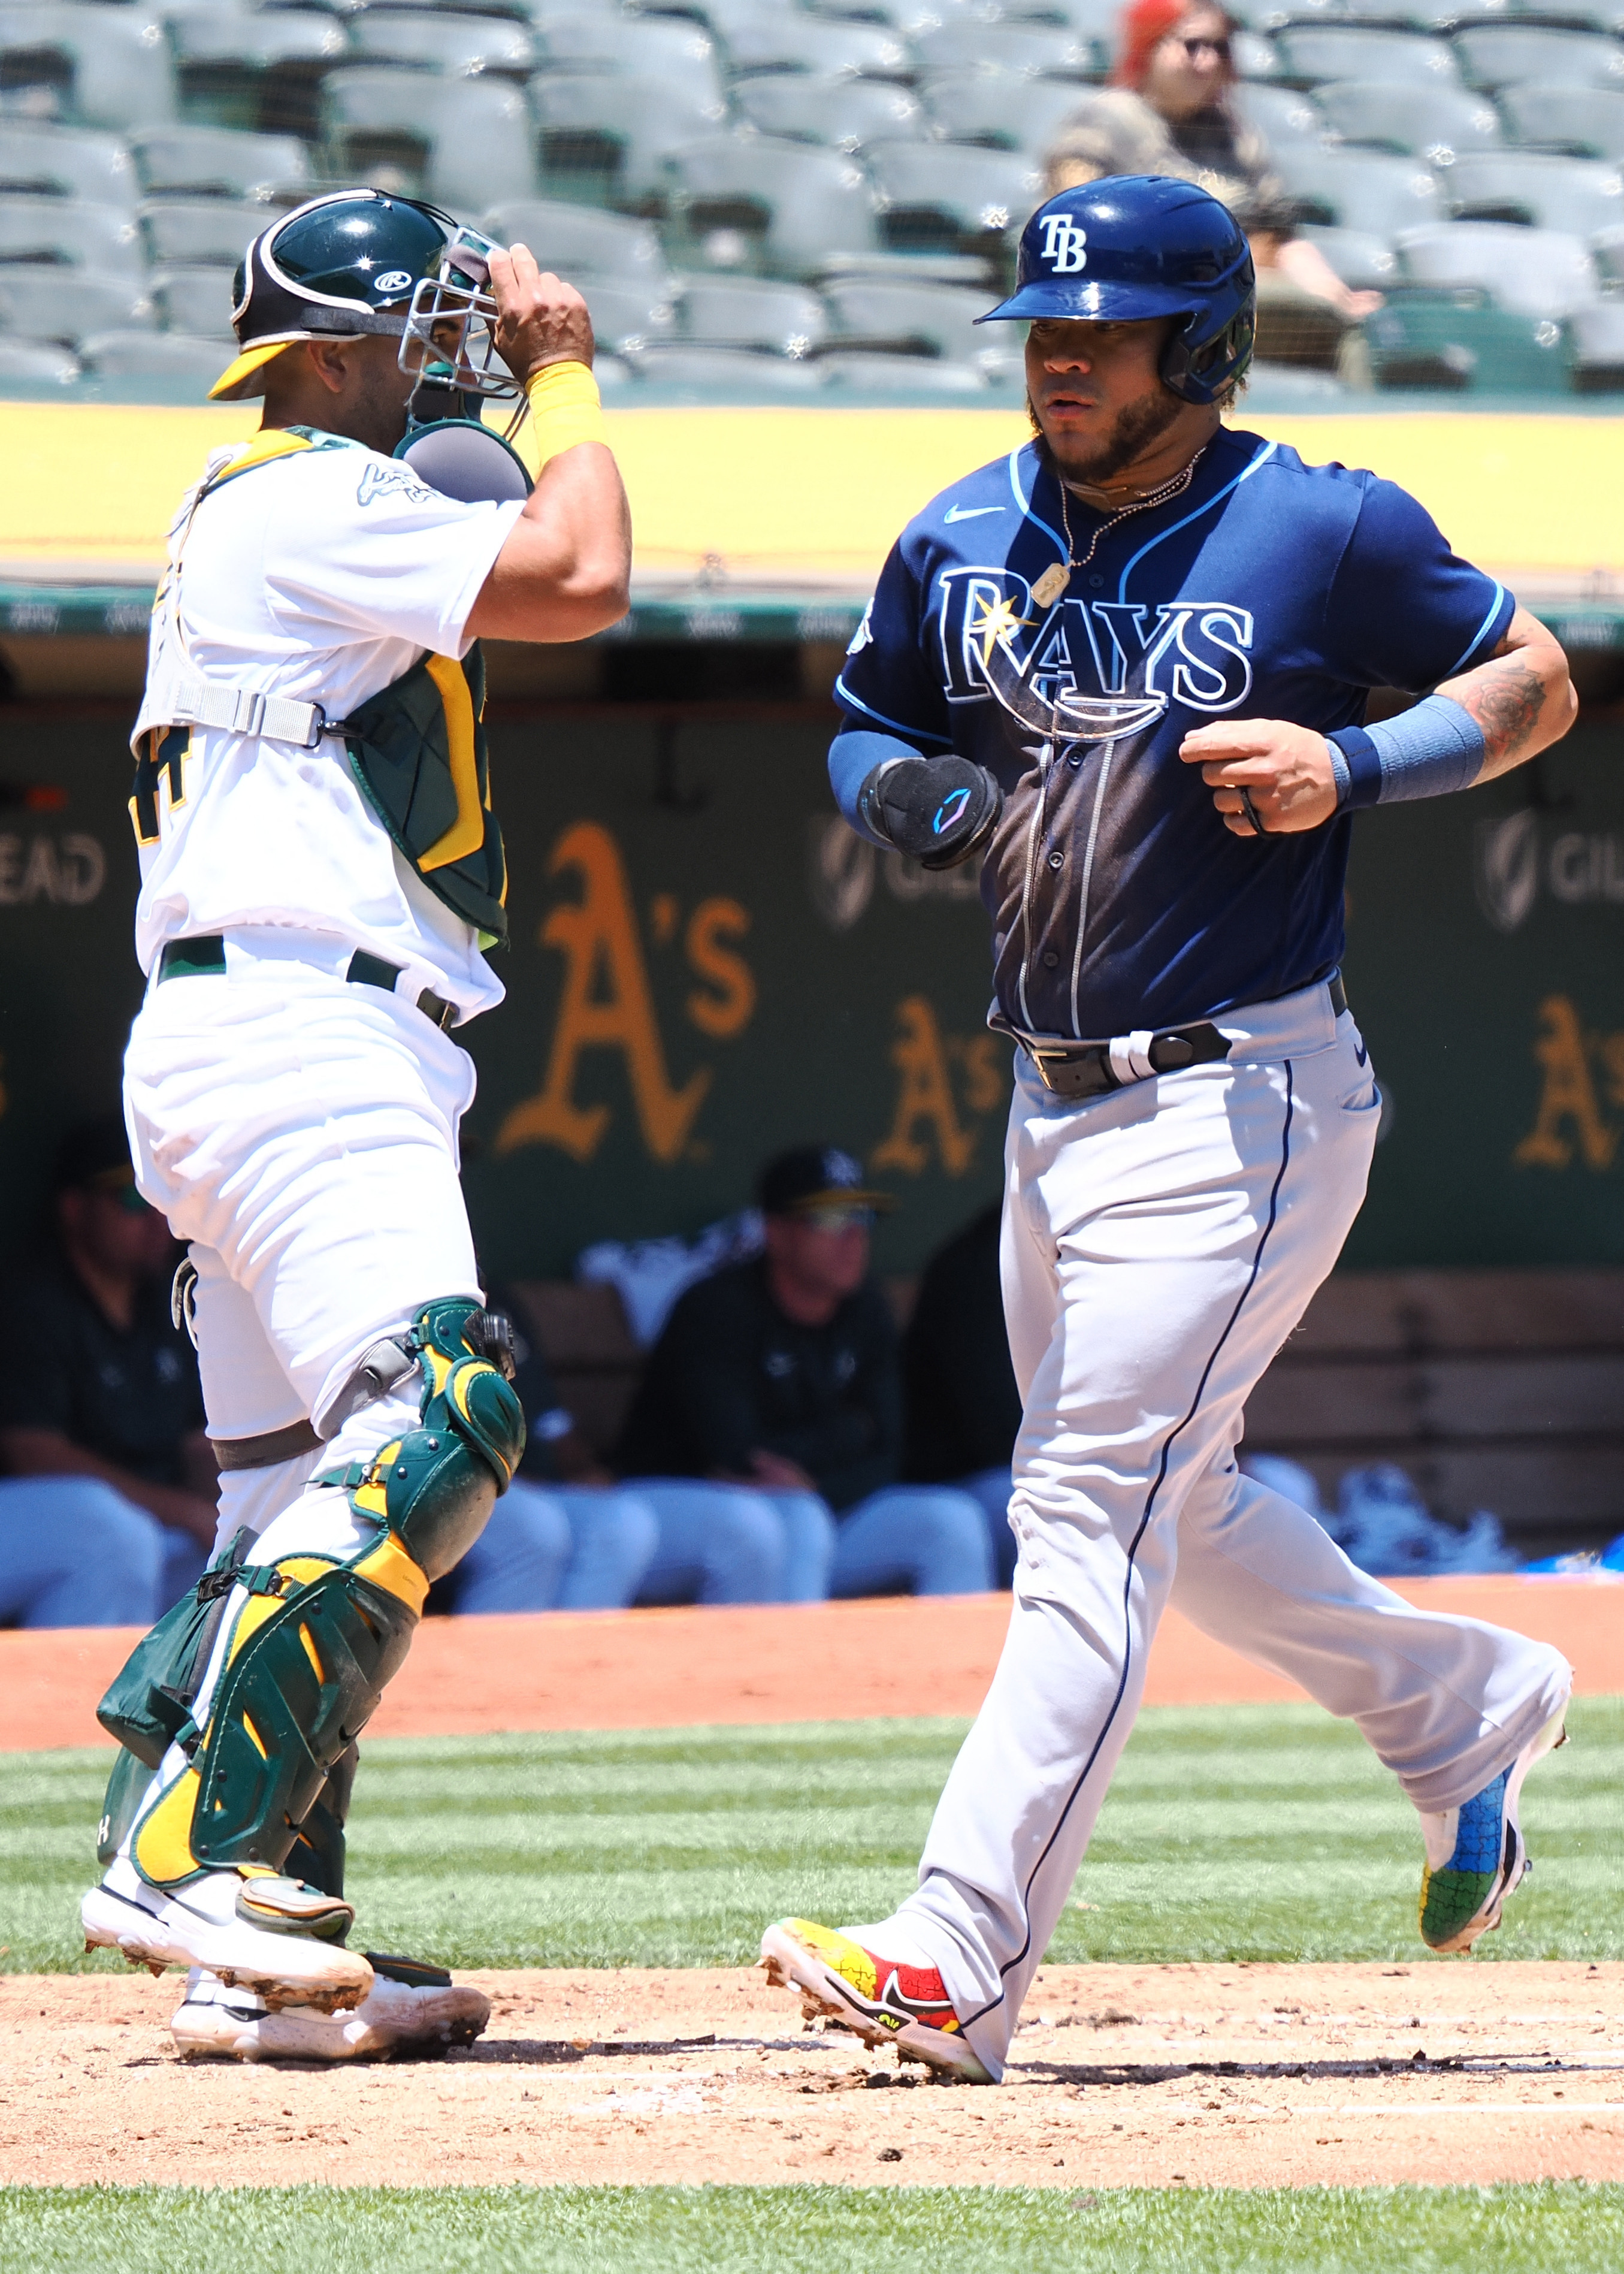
[1508, 869]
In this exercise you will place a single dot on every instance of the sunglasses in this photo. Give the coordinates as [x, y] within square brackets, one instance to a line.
[1198, 47]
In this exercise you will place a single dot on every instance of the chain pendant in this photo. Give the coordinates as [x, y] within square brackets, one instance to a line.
[1051, 584]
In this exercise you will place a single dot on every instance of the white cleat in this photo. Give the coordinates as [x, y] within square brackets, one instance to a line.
[210, 1924]
[412, 2010]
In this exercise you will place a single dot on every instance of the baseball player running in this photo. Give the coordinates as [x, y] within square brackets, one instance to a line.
[320, 871]
[1126, 666]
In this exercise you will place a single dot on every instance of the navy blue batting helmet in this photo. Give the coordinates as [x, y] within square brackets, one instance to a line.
[1144, 244]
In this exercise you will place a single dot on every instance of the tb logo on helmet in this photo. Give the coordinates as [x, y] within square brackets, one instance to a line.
[1063, 244]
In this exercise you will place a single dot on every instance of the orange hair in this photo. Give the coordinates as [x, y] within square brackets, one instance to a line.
[1142, 28]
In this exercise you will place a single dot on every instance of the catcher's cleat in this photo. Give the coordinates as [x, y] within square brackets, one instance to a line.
[1474, 1855]
[208, 1923]
[412, 2010]
[883, 2003]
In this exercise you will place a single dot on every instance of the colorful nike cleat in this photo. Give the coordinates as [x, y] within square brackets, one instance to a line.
[883, 2003]
[1474, 1855]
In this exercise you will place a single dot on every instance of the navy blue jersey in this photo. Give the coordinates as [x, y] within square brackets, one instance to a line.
[1266, 589]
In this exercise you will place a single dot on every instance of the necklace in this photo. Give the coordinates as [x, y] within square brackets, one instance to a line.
[1055, 578]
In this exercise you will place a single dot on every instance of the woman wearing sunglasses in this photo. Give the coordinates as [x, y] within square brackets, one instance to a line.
[1169, 111]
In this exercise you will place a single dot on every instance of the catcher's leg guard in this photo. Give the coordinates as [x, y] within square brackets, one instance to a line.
[312, 1639]
[317, 1855]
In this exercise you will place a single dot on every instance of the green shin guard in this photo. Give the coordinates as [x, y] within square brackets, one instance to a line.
[435, 1486]
[317, 1855]
[317, 1640]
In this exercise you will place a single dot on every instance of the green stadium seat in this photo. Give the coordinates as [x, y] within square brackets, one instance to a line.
[1503, 55]
[1036, 49]
[26, 365]
[801, 208]
[936, 319]
[1459, 340]
[1607, 251]
[627, 316]
[1366, 263]
[662, 50]
[958, 198]
[842, 114]
[1535, 272]
[34, 306]
[465, 142]
[94, 65]
[577, 240]
[465, 44]
[66, 162]
[213, 230]
[789, 40]
[189, 365]
[261, 71]
[194, 301]
[1597, 337]
[725, 374]
[205, 161]
[748, 312]
[911, 377]
[1576, 195]
[1359, 189]
[1438, 123]
[68, 231]
[1585, 121]
[1311, 53]
[1003, 109]
[606, 138]
[1257, 59]
[1279, 114]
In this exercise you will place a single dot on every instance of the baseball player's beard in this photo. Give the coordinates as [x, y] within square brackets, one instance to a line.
[1134, 429]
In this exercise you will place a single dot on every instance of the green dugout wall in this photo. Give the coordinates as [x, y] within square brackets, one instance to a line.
[706, 966]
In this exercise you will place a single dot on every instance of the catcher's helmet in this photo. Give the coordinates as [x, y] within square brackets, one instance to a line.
[339, 266]
[1144, 244]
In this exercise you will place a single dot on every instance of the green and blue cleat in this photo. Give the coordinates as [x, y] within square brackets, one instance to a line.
[1475, 1853]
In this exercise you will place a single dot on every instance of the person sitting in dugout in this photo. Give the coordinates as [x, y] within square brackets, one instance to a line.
[779, 1377]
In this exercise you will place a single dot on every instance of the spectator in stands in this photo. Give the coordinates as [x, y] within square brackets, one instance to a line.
[963, 1409]
[106, 1509]
[779, 1378]
[1169, 111]
[563, 1536]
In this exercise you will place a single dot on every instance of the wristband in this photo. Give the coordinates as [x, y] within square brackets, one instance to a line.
[1427, 751]
[567, 409]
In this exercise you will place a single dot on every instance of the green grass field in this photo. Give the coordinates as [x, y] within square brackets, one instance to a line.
[1532, 2230]
[1255, 1833]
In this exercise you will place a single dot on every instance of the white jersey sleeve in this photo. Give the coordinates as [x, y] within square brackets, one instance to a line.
[382, 554]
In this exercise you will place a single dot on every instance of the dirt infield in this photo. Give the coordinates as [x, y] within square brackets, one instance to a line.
[806, 1662]
[1214, 2075]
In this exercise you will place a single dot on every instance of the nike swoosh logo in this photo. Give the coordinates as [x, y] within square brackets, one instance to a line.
[969, 512]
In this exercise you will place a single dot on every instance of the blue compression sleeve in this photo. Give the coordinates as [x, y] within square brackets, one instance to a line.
[852, 756]
[1428, 751]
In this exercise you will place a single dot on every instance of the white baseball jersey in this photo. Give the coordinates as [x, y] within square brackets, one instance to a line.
[319, 571]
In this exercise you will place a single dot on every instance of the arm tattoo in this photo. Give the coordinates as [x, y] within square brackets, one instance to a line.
[1508, 704]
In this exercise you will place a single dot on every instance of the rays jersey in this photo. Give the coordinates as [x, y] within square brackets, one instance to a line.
[1266, 589]
[309, 568]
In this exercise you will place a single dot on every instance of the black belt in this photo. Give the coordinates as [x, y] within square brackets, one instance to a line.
[204, 956]
[1085, 1070]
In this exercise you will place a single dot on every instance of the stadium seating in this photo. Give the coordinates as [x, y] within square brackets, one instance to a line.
[842, 114]
[910, 375]
[798, 206]
[34, 304]
[1366, 263]
[62, 161]
[1580, 122]
[194, 301]
[791, 41]
[460, 142]
[577, 240]
[740, 311]
[1437, 123]
[663, 51]
[1597, 336]
[606, 137]
[1312, 53]
[932, 198]
[1364, 190]
[1460, 340]
[216, 232]
[1536, 272]
[1578, 195]
[98, 65]
[627, 317]
[1002, 108]
[28, 366]
[1503, 55]
[1037, 50]
[1279, 114]
[733, 373]
[71, 231]
[463, 44]
[261, 70]
[212, 161]
[932, 319]
[194, 364]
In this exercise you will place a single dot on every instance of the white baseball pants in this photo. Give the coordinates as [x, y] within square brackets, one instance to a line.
[1160, 1243]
